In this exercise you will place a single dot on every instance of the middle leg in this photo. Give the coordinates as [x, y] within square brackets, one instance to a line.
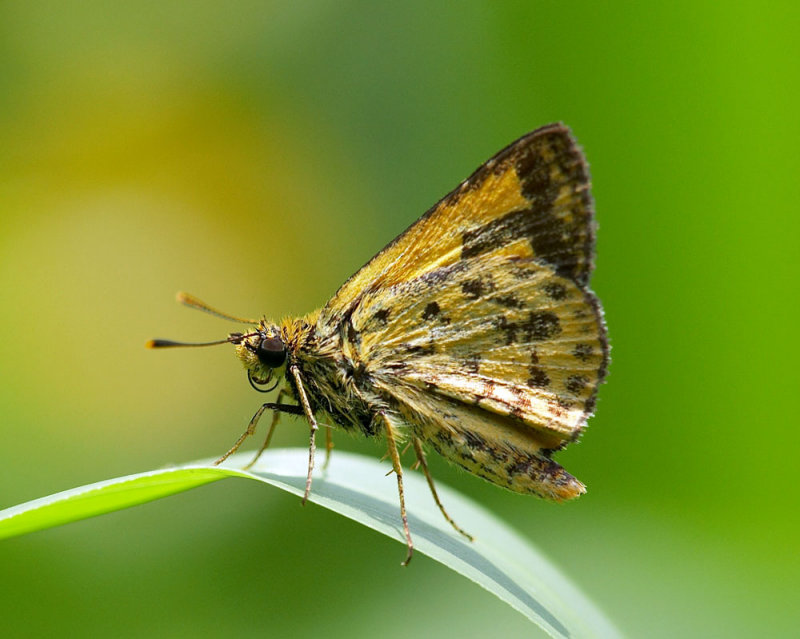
[391, 440]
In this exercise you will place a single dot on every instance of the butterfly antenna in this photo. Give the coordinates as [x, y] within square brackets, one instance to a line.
[193, 302]
[233, 338]
[168, 343]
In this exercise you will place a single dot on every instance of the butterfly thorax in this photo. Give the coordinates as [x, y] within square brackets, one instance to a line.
[335, 381]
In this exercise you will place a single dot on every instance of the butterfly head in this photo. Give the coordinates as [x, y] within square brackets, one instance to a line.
[262, 349]
[263, 353]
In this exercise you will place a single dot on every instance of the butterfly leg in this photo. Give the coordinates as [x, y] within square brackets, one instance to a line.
[398, 470]
[423, 461]
[328, 445]
[251, 427]
[312, 446]
[275, 417]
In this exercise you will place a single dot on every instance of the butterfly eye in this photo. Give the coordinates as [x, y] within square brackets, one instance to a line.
[271, 352]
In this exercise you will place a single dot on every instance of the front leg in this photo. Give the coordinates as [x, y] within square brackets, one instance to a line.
[275, 417]
[251, 427]
[312, 446]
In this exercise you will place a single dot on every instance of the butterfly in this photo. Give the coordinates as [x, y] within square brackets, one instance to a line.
[473, 333]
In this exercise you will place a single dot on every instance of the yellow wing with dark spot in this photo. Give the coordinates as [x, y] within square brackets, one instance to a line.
[506, 334]
[477, 326]
[532, 197]
[496, 356]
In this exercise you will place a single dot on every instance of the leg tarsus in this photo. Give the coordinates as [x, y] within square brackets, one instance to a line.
[251, 427]
[328, 446]
[312, 446]
[312, 449]
[275, 417]
[423, 462]
[398, 470]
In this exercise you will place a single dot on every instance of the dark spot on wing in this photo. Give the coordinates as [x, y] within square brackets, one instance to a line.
[488, 387]
[522, 273]
[565, 235]
[519, 466]
[583, 351]
[538, 378]
[438, 276]
[431, 311]
[509, 301]
[576, 383]
[378, 321]
[382, 316]
[488, 471]
[476, 288]
[541, 325]
[509, 329]
[555, 291]
[494, 234]
[472, 363]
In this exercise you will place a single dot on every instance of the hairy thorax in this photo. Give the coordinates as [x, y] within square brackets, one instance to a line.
[336, 381]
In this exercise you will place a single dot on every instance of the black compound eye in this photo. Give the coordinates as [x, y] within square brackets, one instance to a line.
[271, 352]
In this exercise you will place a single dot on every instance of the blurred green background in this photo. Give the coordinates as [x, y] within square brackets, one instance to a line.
[256, 154]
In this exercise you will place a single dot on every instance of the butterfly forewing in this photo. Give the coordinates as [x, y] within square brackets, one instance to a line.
[534, 191]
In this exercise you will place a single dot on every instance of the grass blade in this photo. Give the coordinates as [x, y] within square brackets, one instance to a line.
[354, 486]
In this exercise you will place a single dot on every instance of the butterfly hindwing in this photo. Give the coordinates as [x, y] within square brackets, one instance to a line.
[507, 334]
[499, 351]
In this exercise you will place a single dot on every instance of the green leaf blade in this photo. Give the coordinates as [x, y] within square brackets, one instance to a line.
[101, 498]
[499, 559]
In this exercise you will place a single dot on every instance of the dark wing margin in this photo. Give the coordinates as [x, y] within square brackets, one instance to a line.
[559, 221]
[533, 195]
